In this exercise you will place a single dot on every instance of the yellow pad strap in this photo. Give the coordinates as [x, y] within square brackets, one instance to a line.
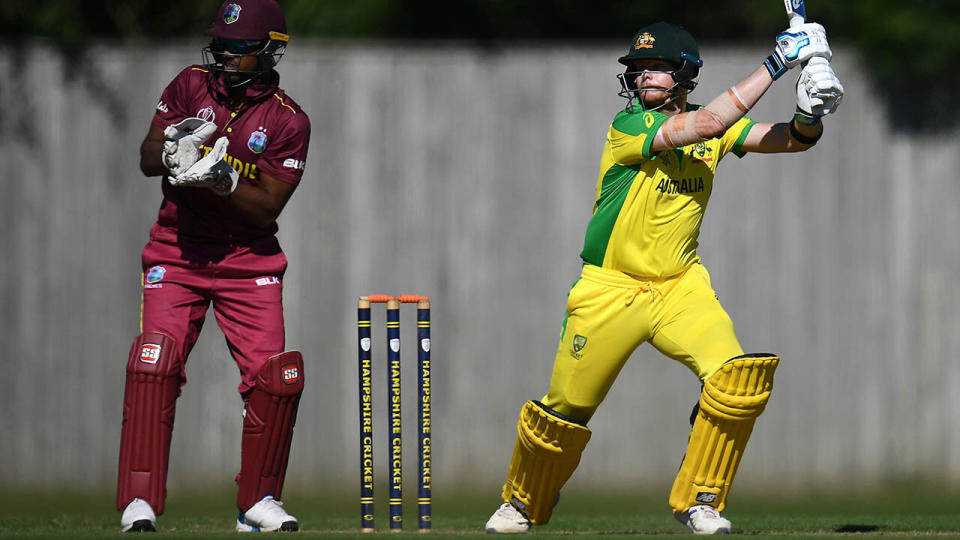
[547, 452]
[731, 400]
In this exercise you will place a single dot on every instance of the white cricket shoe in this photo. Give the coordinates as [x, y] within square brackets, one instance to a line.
[138, 516]
[266, 516]
[506, 520]
[704, 519]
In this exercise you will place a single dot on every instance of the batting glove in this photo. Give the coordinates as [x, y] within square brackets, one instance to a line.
[819, 91]
[211, 171]
[796, 46]
[181, 150]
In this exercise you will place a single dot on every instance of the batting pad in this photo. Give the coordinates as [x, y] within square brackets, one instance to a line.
[731, 400]
[269, 416]
[149, 405]
[547, 452]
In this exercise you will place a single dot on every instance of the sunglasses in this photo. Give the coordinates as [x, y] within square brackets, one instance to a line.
[236, 46]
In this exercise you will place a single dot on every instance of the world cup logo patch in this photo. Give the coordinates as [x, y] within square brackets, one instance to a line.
[258, 141]
[231, 13]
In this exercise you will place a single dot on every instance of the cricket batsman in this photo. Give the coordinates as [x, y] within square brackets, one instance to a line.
[642, 279]
[230, 146]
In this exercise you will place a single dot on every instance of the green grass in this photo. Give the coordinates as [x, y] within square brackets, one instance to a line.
[902, 513]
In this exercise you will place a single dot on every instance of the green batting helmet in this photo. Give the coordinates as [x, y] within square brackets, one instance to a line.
[671, 42]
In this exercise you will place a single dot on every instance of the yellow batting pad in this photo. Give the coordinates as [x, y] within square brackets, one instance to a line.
[547, 452]
[731, 400]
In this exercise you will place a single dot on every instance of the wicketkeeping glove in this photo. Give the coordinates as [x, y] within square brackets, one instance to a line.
[819, 91]
[211, 171]
[796, 46]
[181, 150]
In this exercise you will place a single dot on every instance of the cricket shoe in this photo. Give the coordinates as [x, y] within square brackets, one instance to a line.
[704, 519]
[506, 520]
[266, 516]
[138, 516]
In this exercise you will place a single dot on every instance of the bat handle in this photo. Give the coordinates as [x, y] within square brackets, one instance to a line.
[796, 20]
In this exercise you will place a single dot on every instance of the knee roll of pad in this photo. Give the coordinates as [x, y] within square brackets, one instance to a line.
[547, 451]
[154, 375]
[269, 417]
[730, 402]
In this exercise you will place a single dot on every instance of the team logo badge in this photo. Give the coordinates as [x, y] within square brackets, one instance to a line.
[395, 345]
[425, 344]
[231, 13]
[150, 353]
[155, 274]
[579, 342]
[206, 114]
[365, 344]
[291, 373]
[258, 141]
[644, 41]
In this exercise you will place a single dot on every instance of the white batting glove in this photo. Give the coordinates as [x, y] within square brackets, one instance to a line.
[181, 150]
[819, 91]
[211, 171]
[796, 46]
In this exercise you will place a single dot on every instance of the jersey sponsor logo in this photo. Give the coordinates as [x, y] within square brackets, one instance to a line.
[644, 41]
[155, 274]
[290, 373]
[206, 114]
[162, 107]
[684, 186]
[258, 140]
[648, 119]
[150, 353]
[231, 13]
[294, 163]
[244, 169]
[268, 280]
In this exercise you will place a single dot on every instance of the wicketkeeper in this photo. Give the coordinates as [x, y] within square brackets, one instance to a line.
[230, 146]
[642, 279]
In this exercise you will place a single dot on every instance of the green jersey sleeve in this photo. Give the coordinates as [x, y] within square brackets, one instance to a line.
[631, 135]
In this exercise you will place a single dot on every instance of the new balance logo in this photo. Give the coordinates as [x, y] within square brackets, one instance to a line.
[706, 497]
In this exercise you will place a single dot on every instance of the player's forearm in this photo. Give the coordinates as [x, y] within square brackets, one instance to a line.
[151, 163]
[259, 206]
[717, 117]
[729, 107]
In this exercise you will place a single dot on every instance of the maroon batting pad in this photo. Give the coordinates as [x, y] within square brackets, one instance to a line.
[149, 403]
[271, 411]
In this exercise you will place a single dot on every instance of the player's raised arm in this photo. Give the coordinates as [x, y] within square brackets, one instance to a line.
[819, 92]
[793, 48]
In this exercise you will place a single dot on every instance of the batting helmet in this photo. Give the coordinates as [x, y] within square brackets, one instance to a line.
[246, 28]
[666, 41]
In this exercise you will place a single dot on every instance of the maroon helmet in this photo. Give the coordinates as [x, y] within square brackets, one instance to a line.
[246, 28]
[248, 20]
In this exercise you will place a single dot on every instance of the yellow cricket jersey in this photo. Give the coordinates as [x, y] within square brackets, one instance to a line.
[649, 206]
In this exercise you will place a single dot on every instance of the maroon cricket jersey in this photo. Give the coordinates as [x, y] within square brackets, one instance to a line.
[269, 133]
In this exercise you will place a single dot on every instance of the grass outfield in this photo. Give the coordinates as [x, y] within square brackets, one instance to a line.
[911, 514]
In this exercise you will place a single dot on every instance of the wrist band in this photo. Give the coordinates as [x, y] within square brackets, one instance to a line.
[800, 137]
[774, 66]
[805, 118]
